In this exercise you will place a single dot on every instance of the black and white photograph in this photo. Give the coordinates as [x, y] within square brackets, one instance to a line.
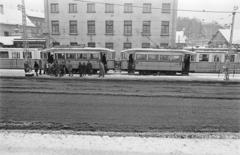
[120, 77]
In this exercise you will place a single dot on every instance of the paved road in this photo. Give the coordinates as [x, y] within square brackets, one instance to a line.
[119, 105]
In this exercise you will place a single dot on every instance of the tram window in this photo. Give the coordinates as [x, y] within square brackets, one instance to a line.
[153, 57]
[192, 58]
[141, 57]
[71, 56]
[79, 56]
[4, 54]
[15, 55]
[60, 56]
[175, 58]
[94, 56]
[203, 57]
[164, 58]
[27, 55]
[216, 58]
[232, 58]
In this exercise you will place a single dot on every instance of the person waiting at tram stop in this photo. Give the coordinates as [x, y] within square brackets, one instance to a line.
[69, 68]
[80, 69]
[40, 67]
[89, 68]
[104, 61]
[36, 67]
[226, 68]
[130, 64]
[101, 69]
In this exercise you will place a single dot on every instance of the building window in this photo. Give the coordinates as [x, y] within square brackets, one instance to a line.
[91, 44]
[127, 27]
[127, 45]
[145, 45]
[54, 8]
[56, 43]
[165, 28]
[109, 8]
[166, 7]
[109, 45]
[1, 9]
[72, 8]
[91, 27]
[146, 28]
[55, 27]
[73, 27]
[109, 27]
[147, 7]
[128, 8]
[164, 45]
[73, 43]
[91, 8]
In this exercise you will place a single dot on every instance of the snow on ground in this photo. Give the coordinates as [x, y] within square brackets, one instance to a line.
[124, 76]
[24, 142]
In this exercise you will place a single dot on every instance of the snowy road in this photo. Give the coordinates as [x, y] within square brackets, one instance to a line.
[128, 106]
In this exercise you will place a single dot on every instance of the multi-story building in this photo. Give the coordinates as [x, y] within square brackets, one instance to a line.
[112, 24]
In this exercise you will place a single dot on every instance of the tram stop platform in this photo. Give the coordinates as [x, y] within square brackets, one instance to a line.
[117, 75]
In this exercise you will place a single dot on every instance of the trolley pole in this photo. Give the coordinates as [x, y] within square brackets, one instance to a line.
[227, 61]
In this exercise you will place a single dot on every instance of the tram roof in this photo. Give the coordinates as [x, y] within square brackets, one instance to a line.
[77, 49]
[212, 49]
[153, 50]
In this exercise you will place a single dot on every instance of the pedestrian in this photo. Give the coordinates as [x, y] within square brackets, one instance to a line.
[104, 61]
[84, 68]
[69, 68]
[80, 69]
[89, 68]
[36, 67]
[101, 69]
[226, 68]
[26, 67]
[40, 67]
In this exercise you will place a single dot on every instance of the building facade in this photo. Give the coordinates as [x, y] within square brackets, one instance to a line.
[112, 24]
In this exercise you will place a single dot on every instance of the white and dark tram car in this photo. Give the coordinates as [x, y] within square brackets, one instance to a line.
[75, 55]
[14, 58]
[156, 61]
[212, 60]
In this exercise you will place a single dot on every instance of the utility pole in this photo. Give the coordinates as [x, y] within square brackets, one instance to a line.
[24, 24]
[227, 61]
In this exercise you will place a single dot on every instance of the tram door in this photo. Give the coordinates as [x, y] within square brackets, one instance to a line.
[186, 64]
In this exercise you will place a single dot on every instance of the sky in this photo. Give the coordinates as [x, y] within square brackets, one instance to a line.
[213, 5]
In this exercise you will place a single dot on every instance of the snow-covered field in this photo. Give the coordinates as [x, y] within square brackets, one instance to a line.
[124, 76]
[27, 142]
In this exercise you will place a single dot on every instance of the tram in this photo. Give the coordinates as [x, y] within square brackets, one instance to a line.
[83, 55]
[14, 58]
[212, 60]
[156, 61]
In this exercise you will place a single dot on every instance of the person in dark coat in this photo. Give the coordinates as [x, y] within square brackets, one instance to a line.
[84, 68]
[40, 67]
[36, 67]
[130, 64]
[89, 68]
[80, 69]
[104, 61]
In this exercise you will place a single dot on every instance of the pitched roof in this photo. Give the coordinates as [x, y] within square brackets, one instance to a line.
[13, 17]
[226, 35]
